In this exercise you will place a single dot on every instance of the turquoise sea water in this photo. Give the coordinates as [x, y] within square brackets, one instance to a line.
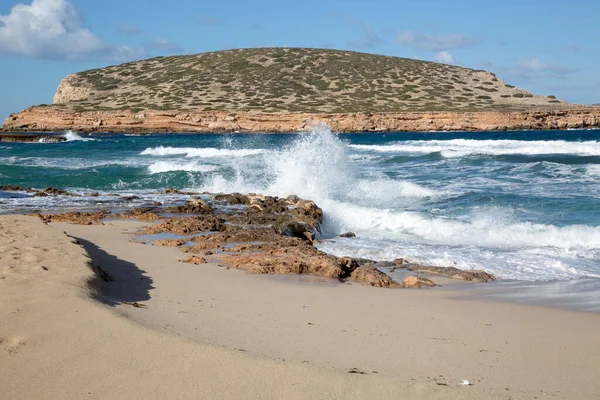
[522, 205]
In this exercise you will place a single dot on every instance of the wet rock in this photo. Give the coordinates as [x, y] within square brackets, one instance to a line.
[78, 218]
[57, 192]
[170, 242]
[194, 206]
[454, 273]
[412, 282]
[13, 188]
[296, 229]
[142, 213]
[50, 191]
[233, 198]
[233, 234]
[187, 226]
[347, 235]
[371, 276]
[295, 256]
[399, 262]
[130, 198]
[201, 248]
[196, 260]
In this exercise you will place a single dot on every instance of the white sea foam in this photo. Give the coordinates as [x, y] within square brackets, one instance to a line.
[202, 152]
[68, 163]
[73, 136]
[467, 147]
[491, 228]
[321, 167]
[167, 166]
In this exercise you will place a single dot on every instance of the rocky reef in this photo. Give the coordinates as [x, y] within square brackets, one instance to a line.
[262, 235]
[30, 138]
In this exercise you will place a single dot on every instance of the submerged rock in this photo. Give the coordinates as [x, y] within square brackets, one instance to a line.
[347, 235]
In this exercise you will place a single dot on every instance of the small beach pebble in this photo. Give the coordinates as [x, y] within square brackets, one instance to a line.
[464, 382]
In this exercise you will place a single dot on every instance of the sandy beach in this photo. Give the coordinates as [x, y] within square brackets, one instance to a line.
[208, 332]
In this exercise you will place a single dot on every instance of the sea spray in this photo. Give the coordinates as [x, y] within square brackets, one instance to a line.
[73, 137]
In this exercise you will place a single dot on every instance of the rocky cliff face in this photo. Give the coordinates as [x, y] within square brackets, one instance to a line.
[70, 89]
[51, 119]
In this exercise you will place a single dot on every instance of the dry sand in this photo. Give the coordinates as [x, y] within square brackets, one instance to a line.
[207, 332]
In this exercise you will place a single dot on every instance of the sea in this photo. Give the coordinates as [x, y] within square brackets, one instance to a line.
[524, 206]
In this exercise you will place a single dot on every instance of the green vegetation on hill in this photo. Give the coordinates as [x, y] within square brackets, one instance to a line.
[290, 80]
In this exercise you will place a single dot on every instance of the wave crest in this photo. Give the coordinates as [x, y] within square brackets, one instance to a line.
[201, 152]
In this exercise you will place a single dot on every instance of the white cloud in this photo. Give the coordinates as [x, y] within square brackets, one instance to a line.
[435, 43]
[443, 57]
[51, 29]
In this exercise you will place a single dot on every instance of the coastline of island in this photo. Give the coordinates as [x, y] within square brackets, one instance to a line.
[48, 119]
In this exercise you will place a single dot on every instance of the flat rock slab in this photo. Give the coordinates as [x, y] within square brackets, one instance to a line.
[30, 138]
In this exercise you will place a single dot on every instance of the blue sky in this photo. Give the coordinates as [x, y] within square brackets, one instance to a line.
[545, 46]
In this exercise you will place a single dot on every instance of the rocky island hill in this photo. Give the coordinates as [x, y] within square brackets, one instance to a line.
[285, 89]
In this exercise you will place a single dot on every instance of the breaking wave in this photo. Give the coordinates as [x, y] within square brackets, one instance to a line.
[467, 147]
[72, 137]
[207, 152]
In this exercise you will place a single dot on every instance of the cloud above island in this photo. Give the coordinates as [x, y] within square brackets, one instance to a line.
[48, 29]
[444, 57]
[53, 30]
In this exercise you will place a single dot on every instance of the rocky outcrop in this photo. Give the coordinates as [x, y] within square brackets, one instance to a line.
[194, 206]
[187, 225]
[295, 256]
[267, 235]
[454, 273]
[196, 260]
[79, 218]
[53, 119]
[412, 282]
[30, 138]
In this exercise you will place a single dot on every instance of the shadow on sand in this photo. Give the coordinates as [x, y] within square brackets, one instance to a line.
[129, 284]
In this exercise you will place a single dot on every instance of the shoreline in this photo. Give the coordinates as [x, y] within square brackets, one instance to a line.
[206, 331]
[50, 119]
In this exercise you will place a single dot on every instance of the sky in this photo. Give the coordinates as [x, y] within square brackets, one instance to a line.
[548, 47]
